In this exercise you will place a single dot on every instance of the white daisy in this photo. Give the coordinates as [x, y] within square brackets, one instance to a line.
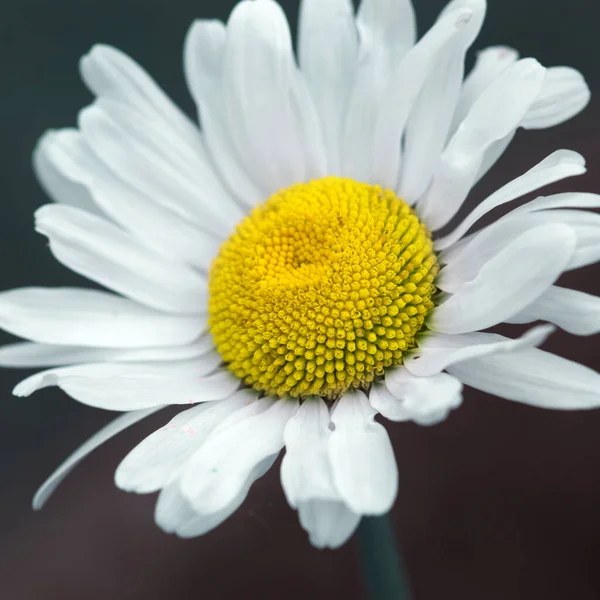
[276, 268]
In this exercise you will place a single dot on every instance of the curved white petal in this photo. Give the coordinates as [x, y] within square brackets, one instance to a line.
[92, 318]
[119, 81]
[389, 26]
[113, 428]
[431, 117]
[203, 57]
[305, 469]
[465, 259]
[174, 514]
[375, 126]
[362, 459]
[508, 282]
[151, 218]
[328, 523]
[565, 94]
[218, 471]
[534, 377]
[32, 354]
[101, 251]
[146, 155]
[438, 350]
[386, 33]
[424, 400]
[493, 153]
[328, 53]
[382, 400]
[59, 186]
[111, 74]
[265, 100]
[565, 200]
[559, 165]
[307, 480]
[571, 310]
[493, 116]
[161, 458]
[123, 386]
[490, 62]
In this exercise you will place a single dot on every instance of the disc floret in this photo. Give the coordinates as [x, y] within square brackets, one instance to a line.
[321, 288]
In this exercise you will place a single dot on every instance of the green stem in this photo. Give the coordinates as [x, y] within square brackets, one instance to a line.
[380, 562]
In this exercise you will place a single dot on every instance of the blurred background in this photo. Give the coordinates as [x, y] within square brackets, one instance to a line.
[499, 502]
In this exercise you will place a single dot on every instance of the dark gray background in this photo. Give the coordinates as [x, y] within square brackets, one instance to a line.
[499, 502]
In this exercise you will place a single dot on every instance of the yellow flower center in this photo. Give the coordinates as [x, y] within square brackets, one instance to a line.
[321, 288]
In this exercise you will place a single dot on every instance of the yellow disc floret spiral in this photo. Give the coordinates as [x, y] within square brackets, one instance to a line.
[321, 288]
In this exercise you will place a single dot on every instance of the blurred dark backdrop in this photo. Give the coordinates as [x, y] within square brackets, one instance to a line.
[499, 502]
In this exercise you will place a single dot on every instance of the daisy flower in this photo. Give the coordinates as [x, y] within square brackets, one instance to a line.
[291, 266]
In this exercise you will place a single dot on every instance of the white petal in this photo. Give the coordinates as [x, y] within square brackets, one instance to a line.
[328, 523]
[493, 153]
[220, 468]
[431, 118]
[386, 32]
[107, 432]
[88, 317]
[99, 250]
[117, 80]
[533, 377]
[305, 469]
[149, 217]
[204, 52]
[263, 96]
[307, 479]
[437, 350]
[382, 400]
[55, 183]
[147, 156]
[509, 281]
[495, 114]
[135, 386]
[111, 74]
[490, 62]
[327, 53]
[389, 26]
[31, 354]
[254, 408]
[565, 94]
[364, 467]
[559, 165]
[424, 400]
[465, 259]
[161, 457]
[376, 124]
[566, 200]
[174, 514]
[572, 310]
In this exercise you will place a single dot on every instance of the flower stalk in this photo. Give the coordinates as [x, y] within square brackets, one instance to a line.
[381, 564]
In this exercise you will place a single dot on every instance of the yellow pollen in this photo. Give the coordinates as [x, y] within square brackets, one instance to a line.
[321, 288]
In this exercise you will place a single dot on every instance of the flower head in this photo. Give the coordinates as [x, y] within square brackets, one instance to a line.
[281, 267]
[321, 288]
